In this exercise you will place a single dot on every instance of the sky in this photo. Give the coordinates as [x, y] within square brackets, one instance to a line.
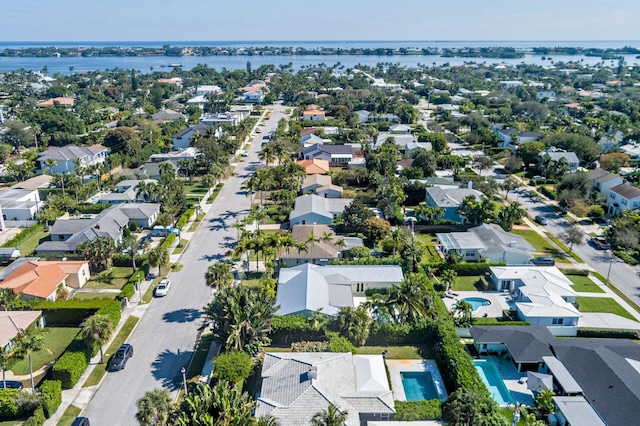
[221, 20]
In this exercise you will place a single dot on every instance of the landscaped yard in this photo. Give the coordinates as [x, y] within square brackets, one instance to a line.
[541, 245]
[467, 283]
[429, 241]
[55, 341]
[113, 278]
[584, 284]
[29, 245]
[602, 304]
[94, 295]
[394, 352]
[195, 187]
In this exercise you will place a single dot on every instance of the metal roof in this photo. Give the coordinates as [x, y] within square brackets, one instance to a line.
[562, 375]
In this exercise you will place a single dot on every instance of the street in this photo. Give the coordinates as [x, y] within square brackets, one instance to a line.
[166, 335]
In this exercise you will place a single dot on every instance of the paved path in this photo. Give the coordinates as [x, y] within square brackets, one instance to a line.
[166, 334]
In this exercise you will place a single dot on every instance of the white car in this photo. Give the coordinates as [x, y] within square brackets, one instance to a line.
[163, 287]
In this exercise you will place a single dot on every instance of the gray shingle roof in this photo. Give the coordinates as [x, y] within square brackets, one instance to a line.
[70, 152]
[627, 191]
[451, 197]
[527, 344]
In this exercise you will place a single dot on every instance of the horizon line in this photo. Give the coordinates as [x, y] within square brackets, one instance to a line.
[320, 41]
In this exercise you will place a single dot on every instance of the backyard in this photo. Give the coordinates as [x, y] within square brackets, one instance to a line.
[113, 278]
[429, 241]
[602, 304]
[29, 245]
[55, 341]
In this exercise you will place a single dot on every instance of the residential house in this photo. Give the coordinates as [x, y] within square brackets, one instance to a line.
[310, 288]
[315, 166]
[549, 95]
[208, 90]
[509, 138]
[610, 140]
[633, 149]
[369, 117]
[449, 200]
[542, 295]
[297, 385]
[126, 192]
[184, 138]
[253, 96]
[211, 119]
[168, 115]
[623, 197]
[19, 204]
[317, 252]
[62, 101]
[13, 323]
[187, 154]
[312, 209]
[7, 253]
[488, 241]
[65, 158]
[336, 155]
[36, 279]
[199, 100]
[602, 181]
[152, 170]
[407, 142]
[68, 234]
[596, 381]
[313, 115]
[312, 139]
[321, 185]
[573, 162]
[34, 183]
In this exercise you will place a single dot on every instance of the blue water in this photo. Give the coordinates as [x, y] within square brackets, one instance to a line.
[418, 385]
[493, 381]
[477, 302]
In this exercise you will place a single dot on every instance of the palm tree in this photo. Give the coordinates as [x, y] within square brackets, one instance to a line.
[250, 185]
[5, 356]
[410, 299]
[97, 331]
[509, 215]
[7, 298]
[332, 416]
[219, 275]
[98, 252]
[142, 190]
[155, 408]
[209, 180]
[223, 405]
[509, 185]
[158, 256]
[462, 312]
[30, 341]
[354, 324]
[49, 164]
[165, 220]
[131, 245]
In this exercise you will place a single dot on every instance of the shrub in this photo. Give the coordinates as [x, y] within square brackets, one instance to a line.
[233, 367]
[28, 403]
[127, 291]
[69, 367]
[309, 346]
[124, 260]
[168, 240]
[37, 419]
[292, 328]
[8, 403]
[552, 195]
[184, 218]
[113, 310]
[418, 410]
[51, 396]
[626, 257]
[23, 235]
[70, 312]
[609, 333]
[341, 344]
[473, 268]
[572, 271]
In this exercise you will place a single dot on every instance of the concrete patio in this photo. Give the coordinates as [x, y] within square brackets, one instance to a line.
[499, 302]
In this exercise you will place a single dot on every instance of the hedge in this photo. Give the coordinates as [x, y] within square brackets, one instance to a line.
[572, 271]
[609, 333]
[70, 312]
[113, 310]
[472, 268]
[127, 291]
[293, 328]
[168, 240]
[37, 418]
[341, 344]
[418, 410]
[70, 366]
[51, 396]
[552, 195]
[23, 235]
[124, 260]
[392, 334]
[9, 408]
[233, 367]
[184, 218]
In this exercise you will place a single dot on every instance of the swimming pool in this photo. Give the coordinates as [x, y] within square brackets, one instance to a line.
[493, 381]
[418, 385]
[477, 302]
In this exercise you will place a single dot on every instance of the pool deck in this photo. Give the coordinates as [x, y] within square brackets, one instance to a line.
[510, 377]
[499, 302]
[396, 366]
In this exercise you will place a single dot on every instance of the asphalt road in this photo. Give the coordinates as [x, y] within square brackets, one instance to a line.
[165, 336]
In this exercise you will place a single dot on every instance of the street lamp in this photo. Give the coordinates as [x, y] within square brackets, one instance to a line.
[606, 283]
[184, 379]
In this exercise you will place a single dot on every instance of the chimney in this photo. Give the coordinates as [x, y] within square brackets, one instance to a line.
[470, 184]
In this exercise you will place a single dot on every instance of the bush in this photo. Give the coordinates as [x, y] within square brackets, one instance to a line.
[341, 344]
[293, 328]
[51, 396]
[390, 334]
[418, 410]
[23, 235]
[626, 257]
[571, 271]
[127, 291]
[124, 260]
[309, 346]
[184, 218]
[552, 195]
[37, 419]
[70, 312]
[473, 268]
[168, 240]
[233, 367]
[9, 403]
[69, 367]
[113, 310]
[608, 333]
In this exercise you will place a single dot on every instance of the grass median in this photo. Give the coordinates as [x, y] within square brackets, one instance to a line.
[69, 416]
[100, 369]
[148, 295]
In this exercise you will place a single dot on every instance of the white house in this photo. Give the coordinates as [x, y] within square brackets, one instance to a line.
[310, 288]
[19, 204]
[602, 181]
[321, 185]
[509, 138]
[126, 192]
[573, 162]
[336, 155]
[312, 209]
[623, 197]
[219, 118]
[65, 157]
[208, 90]
[313, 115]
[542, 295]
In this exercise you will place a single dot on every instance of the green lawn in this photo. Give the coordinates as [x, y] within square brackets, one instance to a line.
[114, 278]
[99, 370]
[395, 352]
[69, 415]
[541, 245]
[585, 284]
[91, 295]
[429, 241]
[55, 341]
[199, 357]
[29, 245]
[195, 187]
[181, 246]
[467, 283]
[600, 304]
[196, 222]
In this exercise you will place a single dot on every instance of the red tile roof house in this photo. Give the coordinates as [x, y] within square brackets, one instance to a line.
[36, 279]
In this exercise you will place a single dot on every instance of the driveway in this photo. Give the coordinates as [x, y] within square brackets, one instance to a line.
[165, 336]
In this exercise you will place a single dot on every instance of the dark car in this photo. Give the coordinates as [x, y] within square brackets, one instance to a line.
[120, 358]
[600, 243]
[11, 384]
[543, 261]
[541, 220]
[81, 421]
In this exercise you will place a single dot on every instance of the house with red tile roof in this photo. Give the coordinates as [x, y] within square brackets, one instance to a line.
[314, 166]
[38, 279]
[60, 101]
[313, 115]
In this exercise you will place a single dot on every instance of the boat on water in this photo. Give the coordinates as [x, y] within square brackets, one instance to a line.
[171, 66]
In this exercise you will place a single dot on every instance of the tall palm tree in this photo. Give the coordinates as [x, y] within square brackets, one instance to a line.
[49, 164]
[155, 408]
[142, 190]
[219, 275]
[250, 185]
[165, 220]
[131, 245]
[158, 256]
[332, 416]
[5, 356]
[97, 331]
[354, 324]
[30, 341]
[7, 298]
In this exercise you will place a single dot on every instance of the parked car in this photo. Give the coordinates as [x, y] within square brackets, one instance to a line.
[543, 261]
[12, 384]
[119, 360]
[245, 154]
[599, 243]
[163, 287]
[81, 421]
[541, 220]
[159, 231]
